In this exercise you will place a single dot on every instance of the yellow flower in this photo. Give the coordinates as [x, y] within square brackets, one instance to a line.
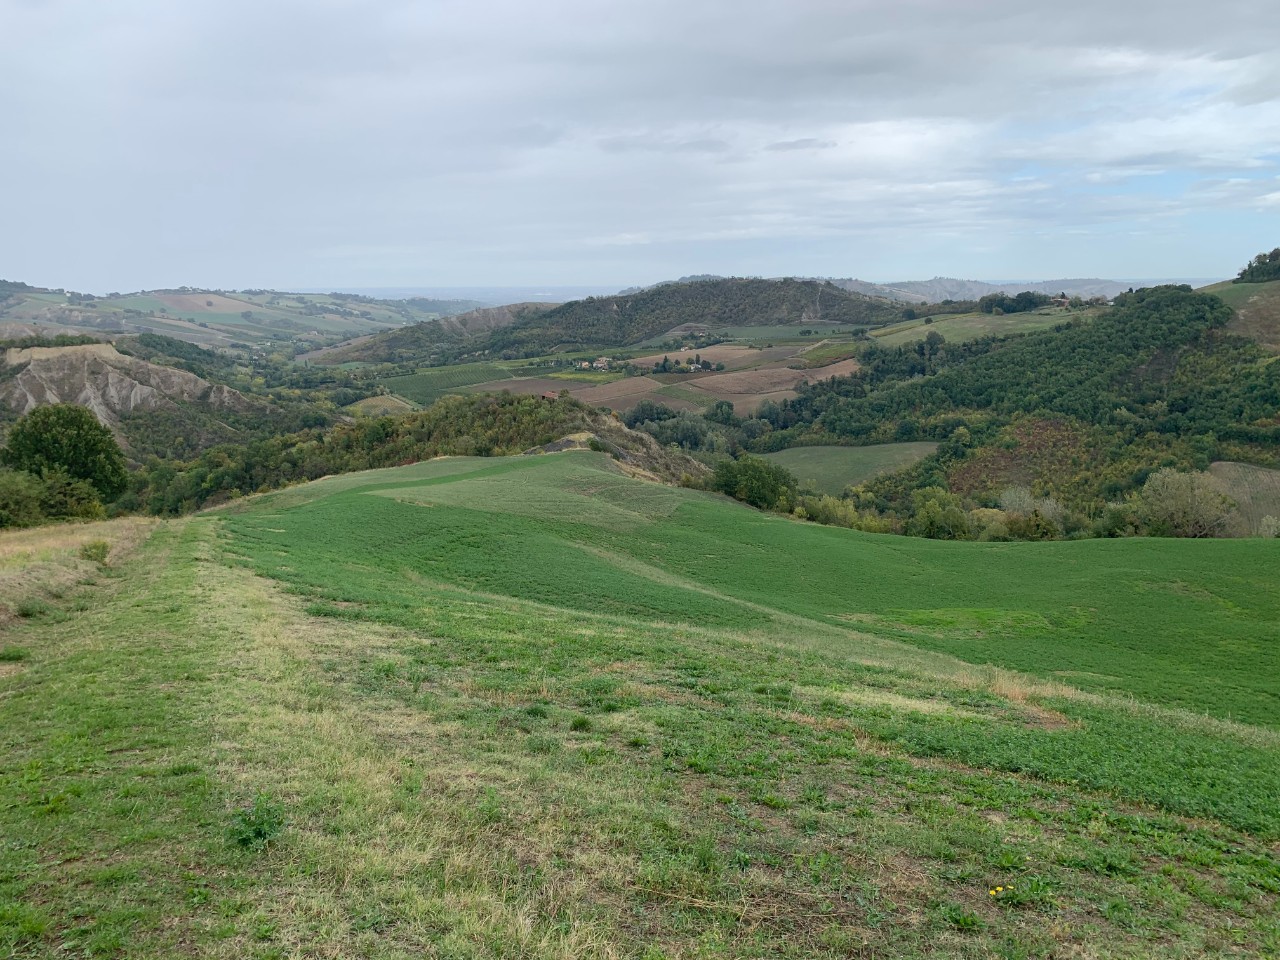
[992, 892]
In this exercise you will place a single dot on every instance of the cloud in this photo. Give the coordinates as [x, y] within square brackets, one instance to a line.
[390, 142]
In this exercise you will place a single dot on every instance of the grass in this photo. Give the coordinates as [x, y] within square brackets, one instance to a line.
[385, 406]
[828, 353]
[1257, 307]
[956, 328]
[434, 382]
[537, 708]
[831, 469]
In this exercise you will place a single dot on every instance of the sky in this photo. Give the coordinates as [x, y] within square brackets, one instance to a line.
[333, 144]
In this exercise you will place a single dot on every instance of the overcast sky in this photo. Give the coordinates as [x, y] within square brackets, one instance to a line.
[333, 143]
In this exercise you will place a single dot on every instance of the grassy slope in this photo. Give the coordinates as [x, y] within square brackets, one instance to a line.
[1257, 307]
[971, 326]
[831, 469]
[535, 708]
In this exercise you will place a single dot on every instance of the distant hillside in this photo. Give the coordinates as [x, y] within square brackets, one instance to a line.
[152, 409]
[622, 320]
[245, 319]
[421, 340]
[949, 288]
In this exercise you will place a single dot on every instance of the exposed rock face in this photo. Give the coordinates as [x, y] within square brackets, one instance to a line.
[108, 383]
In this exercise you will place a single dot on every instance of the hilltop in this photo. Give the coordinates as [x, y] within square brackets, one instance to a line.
[534, 706]
[706, 305]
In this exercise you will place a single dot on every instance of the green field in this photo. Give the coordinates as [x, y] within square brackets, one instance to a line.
[970, 326]
[831, 469]
[534, 707]
[830, 353]
[434, 382]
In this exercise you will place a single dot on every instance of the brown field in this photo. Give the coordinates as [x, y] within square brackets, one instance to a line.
[767, 380]
[609, 394]
[1256, 491]
[744, 403]
[841, 368]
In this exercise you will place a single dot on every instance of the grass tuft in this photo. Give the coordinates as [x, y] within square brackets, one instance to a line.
[255, 826]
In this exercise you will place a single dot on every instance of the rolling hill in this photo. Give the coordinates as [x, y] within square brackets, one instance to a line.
[949, 288]
[537, 707]
[248, 319]
[427, 339]
[624, 320]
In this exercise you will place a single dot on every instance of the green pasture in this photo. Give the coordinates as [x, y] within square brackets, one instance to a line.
[535, 707]
[957, 328]
[831, 469]
[431, 383]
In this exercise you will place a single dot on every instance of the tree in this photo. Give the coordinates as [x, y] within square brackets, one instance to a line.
[67, 437]
[756, 481]
[1175, 504]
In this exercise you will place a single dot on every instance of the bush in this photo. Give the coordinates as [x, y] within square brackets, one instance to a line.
[254, 827]
[64, 498]
[95, 551]
[20, 494]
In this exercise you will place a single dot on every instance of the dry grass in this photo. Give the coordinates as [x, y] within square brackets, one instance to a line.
[48, 558]
[409, 848]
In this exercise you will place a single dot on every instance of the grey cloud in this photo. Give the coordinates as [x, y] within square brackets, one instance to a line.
[804, 143]
[391, 142]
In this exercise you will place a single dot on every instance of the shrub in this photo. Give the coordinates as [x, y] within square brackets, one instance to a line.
[31, 608]
[20, 494]
[65, 498]
[254, 827]
[95, 551]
